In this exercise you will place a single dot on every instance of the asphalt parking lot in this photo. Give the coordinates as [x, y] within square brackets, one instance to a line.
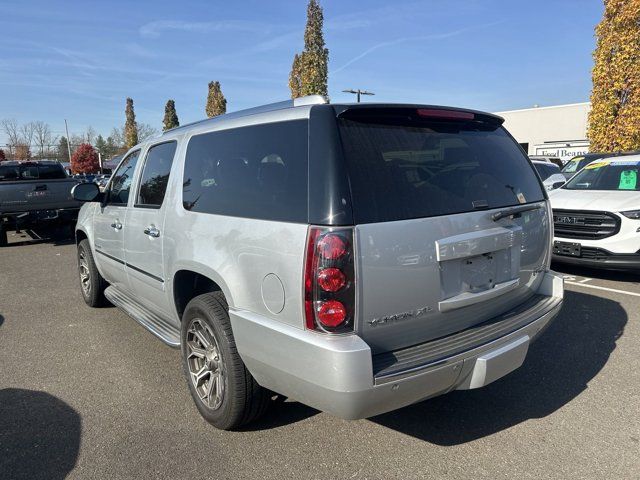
[90, 394]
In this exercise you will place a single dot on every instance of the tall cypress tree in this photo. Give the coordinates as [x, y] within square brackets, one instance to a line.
[216, 103]
[130, 125]
[294, 77]
[312, 64]
[170, 116]
[615, 99]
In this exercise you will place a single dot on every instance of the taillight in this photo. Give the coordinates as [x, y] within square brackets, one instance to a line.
[445, 114]
[329, 280]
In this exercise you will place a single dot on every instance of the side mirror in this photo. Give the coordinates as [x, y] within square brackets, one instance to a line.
[86, 192]
[558, 184]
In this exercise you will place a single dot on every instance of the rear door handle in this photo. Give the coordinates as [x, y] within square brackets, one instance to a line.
[117, 225]
[40, 187]
[152, 231]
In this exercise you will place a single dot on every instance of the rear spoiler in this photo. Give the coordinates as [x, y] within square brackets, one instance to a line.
[417, 112]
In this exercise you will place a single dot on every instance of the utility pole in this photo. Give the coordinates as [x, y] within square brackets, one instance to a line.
[68, 141]
[358, 92]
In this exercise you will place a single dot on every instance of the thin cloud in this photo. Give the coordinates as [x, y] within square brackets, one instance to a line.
[157, 28]
[436, 36]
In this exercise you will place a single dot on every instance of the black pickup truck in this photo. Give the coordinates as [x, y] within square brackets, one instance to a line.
[35, 193]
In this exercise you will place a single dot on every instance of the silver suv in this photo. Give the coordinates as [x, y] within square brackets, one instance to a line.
[356, 258]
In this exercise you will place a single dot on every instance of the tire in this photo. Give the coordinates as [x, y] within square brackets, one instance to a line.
[225, 393]
[92, 284]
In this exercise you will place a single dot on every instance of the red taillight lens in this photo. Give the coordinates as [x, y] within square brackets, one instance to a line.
[331, 313]
[331, 279]
[332, 247]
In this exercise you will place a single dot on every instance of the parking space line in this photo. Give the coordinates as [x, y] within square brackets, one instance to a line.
[606, 289]
[585, 280]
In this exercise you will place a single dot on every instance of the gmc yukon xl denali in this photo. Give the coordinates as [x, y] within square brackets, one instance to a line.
[356, 258]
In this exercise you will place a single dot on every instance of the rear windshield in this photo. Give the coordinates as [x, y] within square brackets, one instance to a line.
[402, 166]
[31, 172]
[607, 175]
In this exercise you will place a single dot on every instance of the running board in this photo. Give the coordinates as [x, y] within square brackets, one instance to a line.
[157, 325]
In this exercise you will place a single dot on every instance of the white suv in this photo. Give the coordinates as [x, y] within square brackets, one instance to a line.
[596, 215]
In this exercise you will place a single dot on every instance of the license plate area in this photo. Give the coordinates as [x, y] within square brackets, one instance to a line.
[567, 249]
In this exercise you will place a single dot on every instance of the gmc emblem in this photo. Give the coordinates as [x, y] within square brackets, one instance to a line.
[569, 220]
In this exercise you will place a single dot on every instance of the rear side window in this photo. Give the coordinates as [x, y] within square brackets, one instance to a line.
[155, 175]
[121, 181]
[9, 173]
[255, 172]
[402, 166]
[51, 172]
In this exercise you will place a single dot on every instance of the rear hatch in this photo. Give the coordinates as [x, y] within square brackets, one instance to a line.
[439, 247]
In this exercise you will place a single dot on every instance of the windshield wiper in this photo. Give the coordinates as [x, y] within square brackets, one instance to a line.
[514, 211]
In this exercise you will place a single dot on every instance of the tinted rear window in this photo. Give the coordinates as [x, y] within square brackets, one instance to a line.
[31, 172]
[404, 167]
[546, 170]
[255, 172]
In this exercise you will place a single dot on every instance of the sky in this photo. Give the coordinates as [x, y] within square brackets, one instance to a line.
[79, 60]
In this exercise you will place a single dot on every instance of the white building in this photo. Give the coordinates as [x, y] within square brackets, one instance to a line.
[559, 131]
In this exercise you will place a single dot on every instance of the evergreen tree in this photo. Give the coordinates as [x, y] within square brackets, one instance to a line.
[63, 150]
[294, 77]
[311, 66]
[101, 145]
[615, 99]
[130, 126]
[216, 103]
[170, 116]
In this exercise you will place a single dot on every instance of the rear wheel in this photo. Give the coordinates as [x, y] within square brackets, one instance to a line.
[92, 284]
[224, 391]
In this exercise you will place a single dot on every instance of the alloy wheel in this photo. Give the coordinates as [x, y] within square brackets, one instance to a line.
[204, 360]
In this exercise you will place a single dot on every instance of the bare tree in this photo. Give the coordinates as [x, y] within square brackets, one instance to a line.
[43, 137]
[27, 132]
[90, 135]
[12, 131]
[146, 131]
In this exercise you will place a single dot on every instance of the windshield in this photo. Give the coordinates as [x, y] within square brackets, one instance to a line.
[403, 167]
[607, 175]
[575, 164]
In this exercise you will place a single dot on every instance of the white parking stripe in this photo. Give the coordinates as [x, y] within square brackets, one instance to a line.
[585, 280]
[603, 288]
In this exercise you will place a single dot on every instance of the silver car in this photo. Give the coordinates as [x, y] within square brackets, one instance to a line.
[357, 258]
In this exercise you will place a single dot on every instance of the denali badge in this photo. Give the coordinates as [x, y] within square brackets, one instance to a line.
[398, 316]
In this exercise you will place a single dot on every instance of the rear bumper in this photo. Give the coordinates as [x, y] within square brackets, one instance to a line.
[336, 374]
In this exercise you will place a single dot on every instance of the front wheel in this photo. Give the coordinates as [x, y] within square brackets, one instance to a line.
[92, 284]
[225, 393]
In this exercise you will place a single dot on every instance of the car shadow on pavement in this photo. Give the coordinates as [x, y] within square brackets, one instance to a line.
[1, 320]
[56, 236]
[557, 369]
[281, 413]
[614, 275]
[39, 435]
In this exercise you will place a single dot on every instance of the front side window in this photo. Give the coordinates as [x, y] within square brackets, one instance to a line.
[253, 172]
[121, 181]
[607, 175]
[155, 176]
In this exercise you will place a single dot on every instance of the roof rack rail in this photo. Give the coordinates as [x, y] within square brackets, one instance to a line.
[296, 102]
